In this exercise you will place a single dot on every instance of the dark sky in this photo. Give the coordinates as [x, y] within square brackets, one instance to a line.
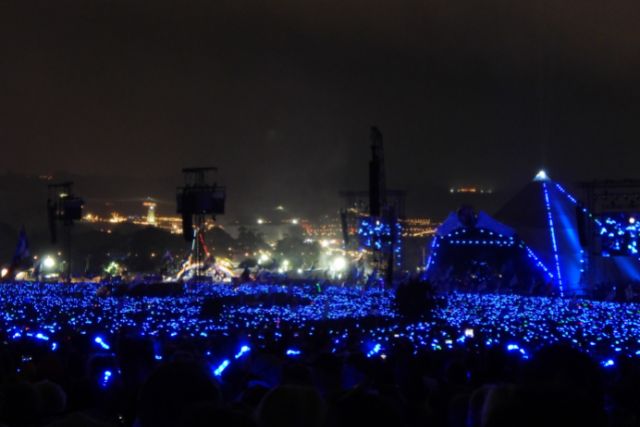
[280, 94]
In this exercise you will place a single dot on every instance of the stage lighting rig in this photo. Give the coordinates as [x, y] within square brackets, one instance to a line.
[199, 197]
[63, 208]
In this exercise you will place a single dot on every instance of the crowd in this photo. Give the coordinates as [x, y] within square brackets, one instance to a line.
[308, 355]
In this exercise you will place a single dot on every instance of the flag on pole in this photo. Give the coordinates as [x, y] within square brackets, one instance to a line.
[21, 254]
[22, 248]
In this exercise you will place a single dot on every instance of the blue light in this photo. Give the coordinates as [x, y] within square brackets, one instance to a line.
[106, 377]
[220, 369]
[98, 340]
[537, 261]
[432, 253]
[500, 241]
[375, 350]
[42, 337]
[385, 236]
[292, 352]
[575, 202]
[566, 193]
[608, 363]
[244, 349]
[620, 234]
[553, 238]
[510, 322]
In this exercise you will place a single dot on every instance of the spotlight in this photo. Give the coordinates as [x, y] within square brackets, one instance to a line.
[48, 262]
[541, 176]
[339, 264]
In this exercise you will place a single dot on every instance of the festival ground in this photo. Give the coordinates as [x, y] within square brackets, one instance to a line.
[304, 320]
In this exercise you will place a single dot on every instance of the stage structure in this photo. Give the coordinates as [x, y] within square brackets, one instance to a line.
[63, 209]
[371, 220]
[586, 244]
[545, 216]
[610, 229]
[200, 197]
[580, 246]
[474, 252]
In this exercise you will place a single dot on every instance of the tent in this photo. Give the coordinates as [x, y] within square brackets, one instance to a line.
[477, 252]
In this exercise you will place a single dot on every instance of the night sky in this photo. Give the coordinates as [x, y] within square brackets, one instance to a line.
[280, 94]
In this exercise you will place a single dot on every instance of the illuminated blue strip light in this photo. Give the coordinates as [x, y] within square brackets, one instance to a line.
[398, 245]
[553, 238]
[244, 349]
[493, 241]
[537, 261]
[98, 340]
[375, 350]
[589, 214]
[566, 193]
[226, 362]
[575, 202]
[482, 242]
[220, 369]
[494, 238]
[432, 252]
[584, 210]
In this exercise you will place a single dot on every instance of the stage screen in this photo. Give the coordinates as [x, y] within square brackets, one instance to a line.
[376, 234]
[618, 233]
